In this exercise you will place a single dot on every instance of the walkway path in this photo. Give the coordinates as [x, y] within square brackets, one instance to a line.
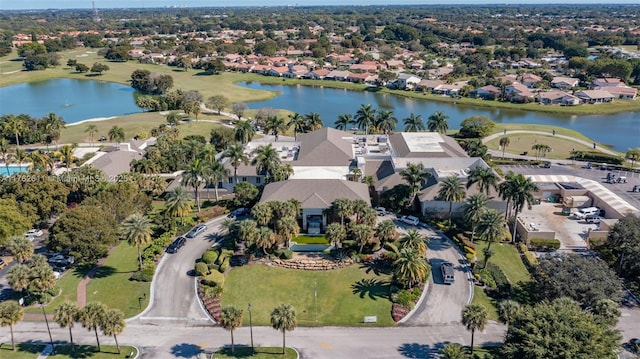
[81, 290]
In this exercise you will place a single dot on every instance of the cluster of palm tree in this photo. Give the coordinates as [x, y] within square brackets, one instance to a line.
[32, 275]
[93, 316]
[23, 128]
[410, 267]
[383, 121]
[541, 149]
[517, 190]
[283, 318]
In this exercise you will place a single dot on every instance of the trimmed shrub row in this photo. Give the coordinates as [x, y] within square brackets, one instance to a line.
[530, 259]
[541, 244]
[598, 157]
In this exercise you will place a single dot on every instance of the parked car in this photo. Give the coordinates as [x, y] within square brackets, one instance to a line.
[176, 245]
[410, 220]
[381, 211]
[582, 213]
[196, 230]
[238, 212]
[593, 218]
[33, 233]
[546, 165]
[448, 276]
[61, 260]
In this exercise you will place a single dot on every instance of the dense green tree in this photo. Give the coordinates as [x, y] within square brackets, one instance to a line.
[507, 310]
[476, 126]
[99, 68]
[556, 330]
[121, 199]
[283, 318]
[10, 314]
[623, 246]
[218, 102]
[231, 319]
[12, 221]
[41, 197]
[474, 317]
[410, 268]
[246, 193]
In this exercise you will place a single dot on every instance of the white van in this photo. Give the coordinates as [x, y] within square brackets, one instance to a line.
[582, 213]
[410, 220]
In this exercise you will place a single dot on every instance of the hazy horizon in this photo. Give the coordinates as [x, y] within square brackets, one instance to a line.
[106, 4]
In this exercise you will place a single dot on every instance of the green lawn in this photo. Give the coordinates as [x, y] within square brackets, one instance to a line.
[521, 142]
[259, 353]
[91, 351]
[24, 351]
[508, 259]
[111, 284]
[68, 285]
[479, 297]
[487, 352]
[344, 297]
[306, 239]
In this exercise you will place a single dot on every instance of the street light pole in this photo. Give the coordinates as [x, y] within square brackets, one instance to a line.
[47, 321]
[250, 327]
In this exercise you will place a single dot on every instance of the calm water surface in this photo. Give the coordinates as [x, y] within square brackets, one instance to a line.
[620, 130]
[73, 100]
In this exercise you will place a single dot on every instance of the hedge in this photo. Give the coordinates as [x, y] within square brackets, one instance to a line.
[284, 253]
[210, 256]
[201, 269]
[502, 282]
[529, 259]
[464, 241]
[598, 157]
[541, 244]
[224, 266]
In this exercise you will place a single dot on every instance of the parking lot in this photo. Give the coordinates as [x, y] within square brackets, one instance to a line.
[548, 217]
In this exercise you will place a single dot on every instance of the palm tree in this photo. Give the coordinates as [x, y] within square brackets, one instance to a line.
[356, 173]
[522, 189]
[66, 315]
[116, 134]
[15, 125]
[416, 177]
[4, 152]
[65, 154]
[504, 143]
[386, 231]
[438, 122]
[365, 117]
[451, 190]
[453, 351]
[314, 121]
[485, 177]
[231, 319]
[507, 309]
[10, 314]
[266, 161]
[413, 123]
[410, 268]
[19, 277]
[20, 156]
[244, 131]
[235, 154]
[336, 234]
[113, 323]
[490, 227]
[288, 228]
[91, 317]
[53, 124]
[264, 239]
[194, 176]
[473, 209]
[283, 318]
[633, 155]
[136, 229]
[475, 148]
[414, 241]
[343, 121]
[178, 203]
[474, 317]
[275, 125]
[298, 123]
[247, 231]
[342, 207]
[172, 118]
[20, 248]
[262, 213]
[216, 172]
[385, 121]
[362, 234]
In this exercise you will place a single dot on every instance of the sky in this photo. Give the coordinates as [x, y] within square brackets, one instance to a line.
[101, 4]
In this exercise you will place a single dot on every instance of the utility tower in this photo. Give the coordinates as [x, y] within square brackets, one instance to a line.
[96, 17]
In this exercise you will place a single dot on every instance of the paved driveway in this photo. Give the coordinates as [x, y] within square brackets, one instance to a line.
[173, 293]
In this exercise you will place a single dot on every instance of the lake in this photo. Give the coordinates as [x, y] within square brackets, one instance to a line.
[73, 100]
[622, 130]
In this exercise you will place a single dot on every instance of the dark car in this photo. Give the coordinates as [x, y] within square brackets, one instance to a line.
[196, 230]
[176, 245]
[546, 165]
[238, 212]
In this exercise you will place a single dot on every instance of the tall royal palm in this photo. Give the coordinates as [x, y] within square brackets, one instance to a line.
[216, 172]
[178, 203]
[231, 319]
[235, 154]
[414, 241]
[344, 121]
[314, 121]
[474, 207]
[194, 176]
[385, 121]
[91, 129]
[522, 190]
[474, 317]
[283, 318]
[451, 190]
[490, 227]
[504, 143]
[136, 229]
[438, 122]
[66, 315]
[266, 161]
[16, 125]
[413, 123]
[112, 324]
[416, 177]
[484, 177]
[244, 131]
[276, 125]
[298, 123]
[365, 117]
[116, 134]
[91, 316]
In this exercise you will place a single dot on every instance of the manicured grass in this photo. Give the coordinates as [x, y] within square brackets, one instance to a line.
[68, 285]
[91, 351]
[344, 296]
[305, 239]
[507, 258]
[500, 127]
[111, 284]
[487, 352]
[479, 297]
[23, 351]
[258, 353]
[521, 142]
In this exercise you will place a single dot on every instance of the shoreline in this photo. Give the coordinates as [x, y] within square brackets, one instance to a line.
[96, 119]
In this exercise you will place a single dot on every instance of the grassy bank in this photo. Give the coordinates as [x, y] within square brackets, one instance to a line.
[344, 296]
[258, 353]
[522, 142]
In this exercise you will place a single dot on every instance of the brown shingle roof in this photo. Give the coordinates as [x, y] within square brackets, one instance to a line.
[324, 147]
[314, 193]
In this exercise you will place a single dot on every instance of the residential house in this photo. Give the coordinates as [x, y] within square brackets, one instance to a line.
[428, 85]
[394, 64]
[369, 67]
[564, 83]
[407, 81]
[595, 96]
[317, 74]
[557, 97]
[362, 78]
[530, 80]
[607, 82]
[627, 93]
[449, 89]
[337, 75]
[518, 92]
[488, 92]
